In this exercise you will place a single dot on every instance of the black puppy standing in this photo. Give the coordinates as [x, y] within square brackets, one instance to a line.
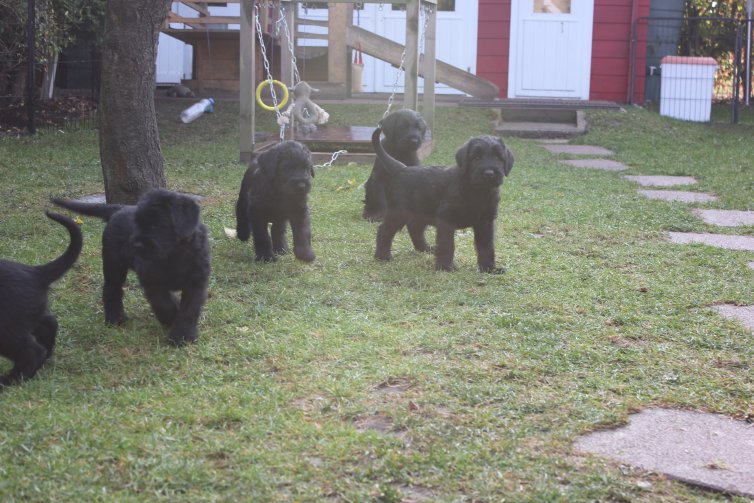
[461, 196]
[274, 191]
[27, 329]
[163, 240]
[404, 132]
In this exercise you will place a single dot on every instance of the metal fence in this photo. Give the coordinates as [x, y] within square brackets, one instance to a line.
[39, 91]
[681, 66]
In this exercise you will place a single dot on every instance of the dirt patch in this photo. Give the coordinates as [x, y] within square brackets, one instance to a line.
[56, 112]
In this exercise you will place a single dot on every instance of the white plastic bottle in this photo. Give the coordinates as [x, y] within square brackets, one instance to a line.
[197, 109]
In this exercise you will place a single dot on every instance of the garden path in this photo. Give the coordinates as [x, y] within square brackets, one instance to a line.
[699, 448]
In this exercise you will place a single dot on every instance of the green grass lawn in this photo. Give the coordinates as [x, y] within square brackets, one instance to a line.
[353, 380]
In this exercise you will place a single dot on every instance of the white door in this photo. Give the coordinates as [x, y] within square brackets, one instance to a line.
[550, 48]
[455, 44]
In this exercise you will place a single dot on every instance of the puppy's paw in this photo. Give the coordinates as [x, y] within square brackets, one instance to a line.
[304, 254]
[384, 256]
[372, 217]
[265, 258]
[116, 320]
[494, 270]
[446, 267]
[181, 338]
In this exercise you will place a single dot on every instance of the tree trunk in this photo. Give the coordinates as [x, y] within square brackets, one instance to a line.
[132, 161]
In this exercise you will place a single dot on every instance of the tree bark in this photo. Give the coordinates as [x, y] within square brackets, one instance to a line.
[130, 153]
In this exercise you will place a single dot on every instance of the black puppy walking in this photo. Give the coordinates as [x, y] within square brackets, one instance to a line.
[465, 195]
[274, 191]
[404, 132]
[163, 240]
[27, 329]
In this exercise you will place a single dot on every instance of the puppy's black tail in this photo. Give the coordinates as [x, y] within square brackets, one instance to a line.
[243, 226]
[390, 164]
[103, 211]
[54, 270]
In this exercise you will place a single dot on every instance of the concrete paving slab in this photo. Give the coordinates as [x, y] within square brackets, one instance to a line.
[743, 314]
[661, 180]
[726, 218]
[578, 149]
[702, 449]
[676, 195]
[729, 242]
[553, 141]
[603, 164]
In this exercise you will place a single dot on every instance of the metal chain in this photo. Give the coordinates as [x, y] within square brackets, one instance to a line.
[426, 11]
[267, 69]
[282, 21]
[332, 160]
[395, 84]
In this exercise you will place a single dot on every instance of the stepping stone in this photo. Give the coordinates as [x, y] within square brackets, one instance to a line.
[673, 195]
[553, 141]
[726, 218]
[661, 181]
[751, 265]
[743, 314]
[729, 242]
[702, 449]
[578, 149]
[603, 164]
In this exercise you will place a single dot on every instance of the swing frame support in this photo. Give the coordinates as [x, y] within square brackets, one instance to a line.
[412, 63]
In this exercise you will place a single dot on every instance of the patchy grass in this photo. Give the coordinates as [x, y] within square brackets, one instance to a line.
[352, 380]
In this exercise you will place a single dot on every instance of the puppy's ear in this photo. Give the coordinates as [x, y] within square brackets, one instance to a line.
[388, 125]
[462, 155]
[268, 162]
[184, 214]
[507, 157]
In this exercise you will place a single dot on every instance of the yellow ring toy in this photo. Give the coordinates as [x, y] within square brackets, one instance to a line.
[259, 95]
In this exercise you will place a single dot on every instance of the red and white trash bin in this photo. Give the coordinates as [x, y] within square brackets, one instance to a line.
[686, 87]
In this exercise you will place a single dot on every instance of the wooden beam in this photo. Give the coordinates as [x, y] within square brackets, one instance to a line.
[411, 65]
[247, 60]
[201, 21]
[337, 51]
[429, 70]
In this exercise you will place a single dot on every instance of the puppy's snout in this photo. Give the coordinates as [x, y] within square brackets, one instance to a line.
[489, 174]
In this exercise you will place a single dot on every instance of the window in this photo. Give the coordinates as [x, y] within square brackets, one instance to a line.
[552, 6]
[442, 6]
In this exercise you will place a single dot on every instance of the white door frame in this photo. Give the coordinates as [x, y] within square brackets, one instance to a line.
[586, 19]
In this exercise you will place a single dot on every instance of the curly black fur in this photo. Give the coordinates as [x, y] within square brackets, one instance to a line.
[404, 132]
[275, 190]
[163, 240]
[27, 329]
[461, 196]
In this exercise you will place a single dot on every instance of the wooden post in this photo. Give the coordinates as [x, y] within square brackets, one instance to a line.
[339, 17]
[429, 69]
[247, 85]
[411, 87]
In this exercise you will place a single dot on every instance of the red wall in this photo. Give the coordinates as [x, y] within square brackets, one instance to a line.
[611, 48]
[493, 41]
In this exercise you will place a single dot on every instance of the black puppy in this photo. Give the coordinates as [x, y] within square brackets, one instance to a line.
[274, 191]
[164, 241]
[27, 329]
[465, 195]
[404, 133]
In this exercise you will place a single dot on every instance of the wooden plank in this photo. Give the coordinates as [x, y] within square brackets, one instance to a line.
[411, 78]
[387, 50]
[247, 61]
